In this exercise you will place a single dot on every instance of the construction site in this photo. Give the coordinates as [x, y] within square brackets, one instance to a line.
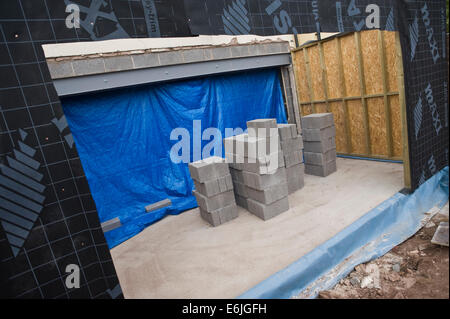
[240, 149]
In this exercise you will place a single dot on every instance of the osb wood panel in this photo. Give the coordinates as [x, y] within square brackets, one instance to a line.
[331, 57]
[301, 76]
[377, 126]
[321, 107]
[316, 73]
[391, 60]
[350, 61]
[373, 80]
[373, 77]
[337, 108]
[306, 109]
[396, 126]
[356, 120]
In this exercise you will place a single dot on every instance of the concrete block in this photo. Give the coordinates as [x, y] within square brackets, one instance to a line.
[292, 144]
[88, 66]
[158, 205]
[209, 169]
[60, 70]
[323, 171]
[318, 135]
[147, 60]
[221, 53]
[262, 127]
[194, 55]
[215, 186]
[287, 131]
[216, 202]
[251, 147]
[240, 189]
[295, 177]
[320, 158]
[317, 121]
[241, 201]
[266, 212]
[118, 63]
[320, 147]
[293, 158]
[261, 182]
[270, 165]
[268, 195]
[240, 51]
[111, 224]
[220, 216]
[171, 57]
[237, 175]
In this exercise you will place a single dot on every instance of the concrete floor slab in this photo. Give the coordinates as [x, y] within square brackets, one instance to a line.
[183, 257]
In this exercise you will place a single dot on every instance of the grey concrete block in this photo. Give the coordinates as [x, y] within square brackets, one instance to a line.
[220, 216]
[221, 53]
[241, 201]
[251, 147]
[287, 131]
[209, 169]
[194, 55]
[262, 123]
[261, 182]
[292, 144]
[216, 186]
[266, 212]
[240, 189]
[118, 63]
[59, 70]
[171, 57]
[317, 121]
[293, 158]
[318, 135]
[111, 224]
[320, 147]
[158, 205]
[147, 60]
[268, 195]
[208, 54]
[88, 66]
[239, 51]
[322, 171]
[237, 175]
[295, 177]
[320, 158]
[263, 165]
[216, 202]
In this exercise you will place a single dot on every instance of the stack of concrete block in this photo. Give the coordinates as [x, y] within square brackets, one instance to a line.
[319, 135]
[292, 147]
[257, 169]
[214, 190]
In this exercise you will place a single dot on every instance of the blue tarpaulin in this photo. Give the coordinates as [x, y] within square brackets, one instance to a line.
[123, 138]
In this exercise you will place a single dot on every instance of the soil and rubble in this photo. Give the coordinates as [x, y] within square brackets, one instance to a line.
[415, 269]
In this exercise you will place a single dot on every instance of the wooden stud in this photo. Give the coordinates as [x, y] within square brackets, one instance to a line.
[387, 106]
[363, 91]
[295, 98]
[402, 99]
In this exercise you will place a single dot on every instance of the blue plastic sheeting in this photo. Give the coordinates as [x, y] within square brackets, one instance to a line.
[123, 138]
[370, 237]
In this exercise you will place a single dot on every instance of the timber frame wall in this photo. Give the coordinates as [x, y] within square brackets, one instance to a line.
[359, 78]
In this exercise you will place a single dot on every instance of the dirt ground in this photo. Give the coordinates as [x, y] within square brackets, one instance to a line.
[415, 269]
